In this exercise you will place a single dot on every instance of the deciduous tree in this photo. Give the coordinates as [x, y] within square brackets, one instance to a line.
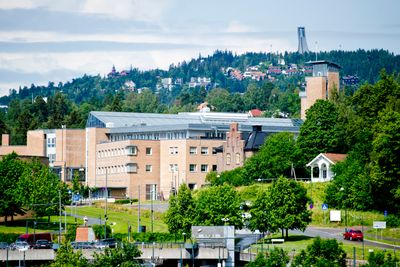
[179, 216]
[283, 206]
[218, 202]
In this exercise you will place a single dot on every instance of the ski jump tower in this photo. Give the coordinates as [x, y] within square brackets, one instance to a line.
[301, 34]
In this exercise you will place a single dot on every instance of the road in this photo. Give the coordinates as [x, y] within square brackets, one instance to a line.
[248, 238]
[337, 233]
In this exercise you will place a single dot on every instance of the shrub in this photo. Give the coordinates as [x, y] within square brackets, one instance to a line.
[155, 237]
[393, 220]
[8, 237]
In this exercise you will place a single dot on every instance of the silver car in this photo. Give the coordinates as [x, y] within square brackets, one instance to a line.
[20, 245]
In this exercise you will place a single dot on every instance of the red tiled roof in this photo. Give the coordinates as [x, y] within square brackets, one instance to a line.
[335, 157]
[255, 112]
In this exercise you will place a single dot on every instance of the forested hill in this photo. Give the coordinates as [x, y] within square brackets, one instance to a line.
[364, 64]
[228, 82]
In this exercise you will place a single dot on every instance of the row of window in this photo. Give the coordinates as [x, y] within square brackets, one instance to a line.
[129, 150]
[203, 167]
[173, 150]
[150, 136]
[132, 168]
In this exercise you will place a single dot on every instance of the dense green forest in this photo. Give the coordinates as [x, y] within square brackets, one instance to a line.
[69, 103]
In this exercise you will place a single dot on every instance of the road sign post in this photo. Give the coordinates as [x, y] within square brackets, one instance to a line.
[324, 208]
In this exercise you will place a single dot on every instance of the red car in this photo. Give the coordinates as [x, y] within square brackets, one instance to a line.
[352, 234]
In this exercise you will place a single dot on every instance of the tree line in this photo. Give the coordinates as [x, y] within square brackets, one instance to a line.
[282, 207]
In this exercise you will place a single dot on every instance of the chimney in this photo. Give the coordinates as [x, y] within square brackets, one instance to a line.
[5, 139]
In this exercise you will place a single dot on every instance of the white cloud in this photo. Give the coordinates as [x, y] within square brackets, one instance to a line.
[236, 27]
[26, 4]
[139, 10]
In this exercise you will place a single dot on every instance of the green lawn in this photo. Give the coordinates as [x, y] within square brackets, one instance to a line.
[121, 216]
[296, 243]
[42, 225]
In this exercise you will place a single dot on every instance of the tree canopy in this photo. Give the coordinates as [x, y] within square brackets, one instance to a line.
[216, 203]
[283, 206]
[180, 212]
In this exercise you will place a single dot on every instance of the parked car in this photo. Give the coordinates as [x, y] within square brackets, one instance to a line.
[352, 234]
[3, 245]
[82, 245]
[101, 245]
[32, 238]
[111, 242]
[43, 244]
[20, 245]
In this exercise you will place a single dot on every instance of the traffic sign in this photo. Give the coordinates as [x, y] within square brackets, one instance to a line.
[324, 206]
[76, 197]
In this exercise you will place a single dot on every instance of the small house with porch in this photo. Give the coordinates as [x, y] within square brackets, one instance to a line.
[321, 166]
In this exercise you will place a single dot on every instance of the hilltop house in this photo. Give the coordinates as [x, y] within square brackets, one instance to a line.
[321, 166]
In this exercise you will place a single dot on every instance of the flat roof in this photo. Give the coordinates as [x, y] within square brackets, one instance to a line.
[120, 122]
[318, 62]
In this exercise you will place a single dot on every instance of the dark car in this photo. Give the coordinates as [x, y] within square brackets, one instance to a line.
[111, 242]
[43, 244]
[352, 234]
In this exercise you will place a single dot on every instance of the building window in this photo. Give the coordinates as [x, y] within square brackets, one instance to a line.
[204, 150]
[173, 150]
[173, 167]
[131, 150]
[228, 159]
[192, 168]
[204, 168]
[214, 168]
[149, 168]
[214, 150]
[193, 150]
[149, 151]
[237, 158]
[131, 168]
[151, 192]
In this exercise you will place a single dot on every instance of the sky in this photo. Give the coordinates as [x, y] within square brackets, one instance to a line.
[58, 40]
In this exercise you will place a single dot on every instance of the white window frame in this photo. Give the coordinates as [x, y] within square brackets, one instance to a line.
[204, 150]
[194, 167]
[205, 166]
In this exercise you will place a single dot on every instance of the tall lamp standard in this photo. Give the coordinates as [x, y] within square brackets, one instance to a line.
[105, 211]
[345, 206]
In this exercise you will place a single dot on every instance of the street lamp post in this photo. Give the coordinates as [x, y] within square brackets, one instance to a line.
[345, 206]
[59, 207]
[152, 211]
[105, 211]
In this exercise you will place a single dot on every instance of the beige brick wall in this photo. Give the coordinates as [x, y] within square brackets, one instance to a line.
[36, 143]
[333, 82]
[94, 136]
[183, 159]
[112, 159]
[233, 155]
